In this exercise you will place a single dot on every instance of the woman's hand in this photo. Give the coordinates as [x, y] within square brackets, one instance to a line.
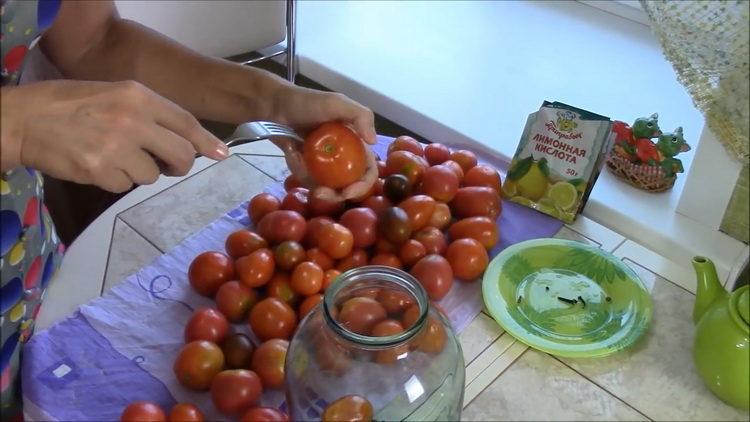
[304, 109]
[108, 134]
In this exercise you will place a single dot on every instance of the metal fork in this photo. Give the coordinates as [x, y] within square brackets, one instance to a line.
[255, 131]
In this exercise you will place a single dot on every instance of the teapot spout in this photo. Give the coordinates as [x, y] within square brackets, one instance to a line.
[709, 288]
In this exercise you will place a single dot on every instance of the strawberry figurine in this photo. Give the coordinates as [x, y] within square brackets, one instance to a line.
[646, 151]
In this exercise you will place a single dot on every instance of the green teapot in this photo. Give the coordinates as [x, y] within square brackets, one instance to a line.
[722, 331]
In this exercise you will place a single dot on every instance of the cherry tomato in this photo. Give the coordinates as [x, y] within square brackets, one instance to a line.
[281, 225]
[476, 201]
[381, 169]
[264, 414]
[268, 362]
[432, 338]
[435, 274]
[436, 153]
[235, 390]
[441, 217]
[331, 355]
[440, 182]
[185, 412]
[389, 327]
[411, 251]
[206, 324]
[334, 155]
[256, 269]
[362, 222]
[368, 292]
[456, 168]
[319, 257]
[260, 205]
[309, 304]
[387, 259]
[209, 271]
[406, 163]
[323, 207]
[468, 259]
[335, 240]
[198, 363]
[307, 278]
[377, 203]
[313, 230]
[348, 408]
[378, 190]
[483, 175]
[243, 242]
[410, 316]
[482, 229]
[238, 349]
[358, 258]
[465, 158]
[288, 254]
[394, 225]
[329, 277]
[296, 200]
[396, 187]
[419, 208]
[143, 411]
[291, 182]
[384, 246]
[234, 300]
[405, 143]
[273, 318]
[395, 301]
[432, 239]
[360, 314]
[280, 287]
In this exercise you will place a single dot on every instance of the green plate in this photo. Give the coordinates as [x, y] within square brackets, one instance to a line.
[524, 284]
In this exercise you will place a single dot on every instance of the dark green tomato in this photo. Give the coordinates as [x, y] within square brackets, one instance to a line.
[394, 225]
[396, 187]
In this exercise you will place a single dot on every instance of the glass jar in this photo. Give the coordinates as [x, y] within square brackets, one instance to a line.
[416, 374]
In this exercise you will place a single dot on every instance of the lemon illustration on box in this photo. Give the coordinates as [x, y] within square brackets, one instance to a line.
[559, 157]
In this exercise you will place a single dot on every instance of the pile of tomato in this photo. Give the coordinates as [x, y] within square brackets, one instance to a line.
[432, 212]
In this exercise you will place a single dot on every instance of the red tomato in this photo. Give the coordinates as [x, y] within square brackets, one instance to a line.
[323, 207]
[332, 355]
[268, 362]
[198, 363]
[234, 300]
[476, 201]
[280, 287]
[377, 203]
[209, 271]
[389, 327]
[257, 268]
[307, 278]
[406, 163]
[456, 168]
[483, 175]
[186, 412]
[319, 257]
[405, 143]
[432, 239]
[235, 390]
[441, 217]
[260, 205]
[206, 324]
[348, 408]
[482, 229]
[330, 276]
[378, 189]
[468, 259]
[143, 411]
[362, 222]
[432, 338]
[309, 304]
[465, 158]
[296, 200]
[360, 314]
[395, 301]
[288, 254]
[410, 316]
[369, 292]
[387, 259]
[356, 259]
[440, 182]
[335, 240]
[281, 225]
[291, 182]
[381, 169]
[264, 414]
[435, 274]
[411, 251]
[313, 230]
[273, 318]
[384, 246]
[334, 155]
[419, 208]
[238, 349]
[436, 154]
[243, 242]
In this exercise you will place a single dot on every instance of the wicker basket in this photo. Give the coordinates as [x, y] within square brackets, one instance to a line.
[643, 176]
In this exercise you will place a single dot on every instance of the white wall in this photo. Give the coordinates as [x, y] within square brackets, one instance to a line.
[218, 28]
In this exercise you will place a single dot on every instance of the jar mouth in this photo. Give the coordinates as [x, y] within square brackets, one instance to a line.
[382, 275]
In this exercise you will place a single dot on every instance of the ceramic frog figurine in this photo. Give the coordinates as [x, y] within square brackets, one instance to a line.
[646, 127]
[669, 145]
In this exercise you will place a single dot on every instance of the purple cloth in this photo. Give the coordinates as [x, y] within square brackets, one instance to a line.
[120, 347]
